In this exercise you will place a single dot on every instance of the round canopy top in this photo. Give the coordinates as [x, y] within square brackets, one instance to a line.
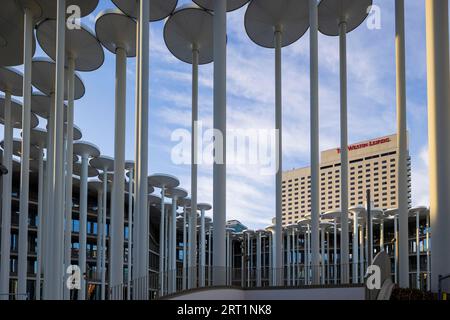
[334, 12]
[41, 104]
[264, 17]
[231, 4]
[186, 203]
[43, 78]
[12, 34]
[16, 114]
[150, 189]
[116, 30]
[84, 148]
[77, 135]
[47, 8]
[159, 9]
[331, 215]
[129, 164]
[204, 206]
[304, 222]
[109, 177]
[38, 137]
[81, 45]
[17, 149]
[176, 193]
[163, 181]
[11, 80]
[77, 168]
[421, 211]
[190, 28]
[154, 199]
[103, 163]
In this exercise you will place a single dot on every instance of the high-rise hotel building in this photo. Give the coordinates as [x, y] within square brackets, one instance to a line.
[372, 165]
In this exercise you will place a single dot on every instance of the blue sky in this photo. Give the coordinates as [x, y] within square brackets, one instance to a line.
[250, 196]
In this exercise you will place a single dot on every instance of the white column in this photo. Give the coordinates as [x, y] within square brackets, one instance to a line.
[141, 178]
[258, 260]
[361, 253]
[161, 243]
[192, 239]
[418, 250]
[40, 221]
[344, 152]
[438, 133]
[322, 253]
[25, 157]
[117, 217]
[69, 170]
[219, 168]
[293, 258]
[130, 232]
[288, 258]
[278, 254]
[209, 257]
[428, 252]
[202, 249]
[104, 231]
[402, 181]
[184, 247]
[6, 200]
[99, 230]
[396, 250]
[355, 248]
[335, 251]
[83, 224]
[381, 234]
[173, 246]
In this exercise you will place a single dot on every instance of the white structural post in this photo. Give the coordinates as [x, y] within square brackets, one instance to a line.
[314, 136]
[381, 233]
[192, 240]
[438, 133]
[99, 230]
[344, 152]
[6, 200]
[130, 231]
[293, 257]
[428, 251]
[288, 257]
[335, 251]
[25, 157]
[209, 256]
[361, 253]
[162, 237]
[142, 161]
[83, 224]
[184, 247]
[117, 216]
[202, 248]
[402, 181]
[396, 249]
[69, 171]
[355, 248]
[258, 260]
[308, 267]
[173, 246]
[219, 167]
[40, 220]
[103, 228]
[322, 253]
[418, 249]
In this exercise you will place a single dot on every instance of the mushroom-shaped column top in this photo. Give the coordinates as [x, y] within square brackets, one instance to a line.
[163, 181]
[150, 189]
[186, 203]
[264, 17]
[11, 80]
[421, 210]
[178, 193]
[16, 114]
[81, 45]
[334, 12]
[335, 215]
[231, 4]
[12, 34]
[304, 222]
[129, 164]
[43, 78]
[86, 149]
[103, 163]
[154, 199]
[96, 185]
[77, 135]
[109, 177]
[204, 206]
[190, 28]
[159, 9]
[38, 137]
[17, 149]
[77, 169]
[48, 7]
[116, 30]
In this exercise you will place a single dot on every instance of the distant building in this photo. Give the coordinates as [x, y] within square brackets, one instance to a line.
[372, 165]
[236, 225]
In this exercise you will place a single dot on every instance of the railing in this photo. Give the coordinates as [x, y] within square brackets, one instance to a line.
[14, 296]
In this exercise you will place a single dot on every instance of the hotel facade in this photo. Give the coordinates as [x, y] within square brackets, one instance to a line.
[372, 166]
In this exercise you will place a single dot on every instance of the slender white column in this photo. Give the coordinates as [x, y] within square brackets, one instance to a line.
[194, 152]
[83, 224]
[309, 255]
[220, 115]
[117, 217]
[130, 232]
[355, 248]
[428, 252]
[438, 133]
[344, 152]
[279, 147]
[167, 250]
[99, 230]
[209, 257]
[161, 243]
[103, 230]
[202, 249]
[173, 246]
[69, 170]
[293, 257]
[258, 260]
[361, 253]
[142, 164]
[192, 249]
[288, 258]
[322, 253]
[335, 251]
[40, 221]
[270, 244]
[6, 200]
[381, 234]
[184, 248]
[418, 250]
[402, 182]
[25, 157]
[396, 250]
